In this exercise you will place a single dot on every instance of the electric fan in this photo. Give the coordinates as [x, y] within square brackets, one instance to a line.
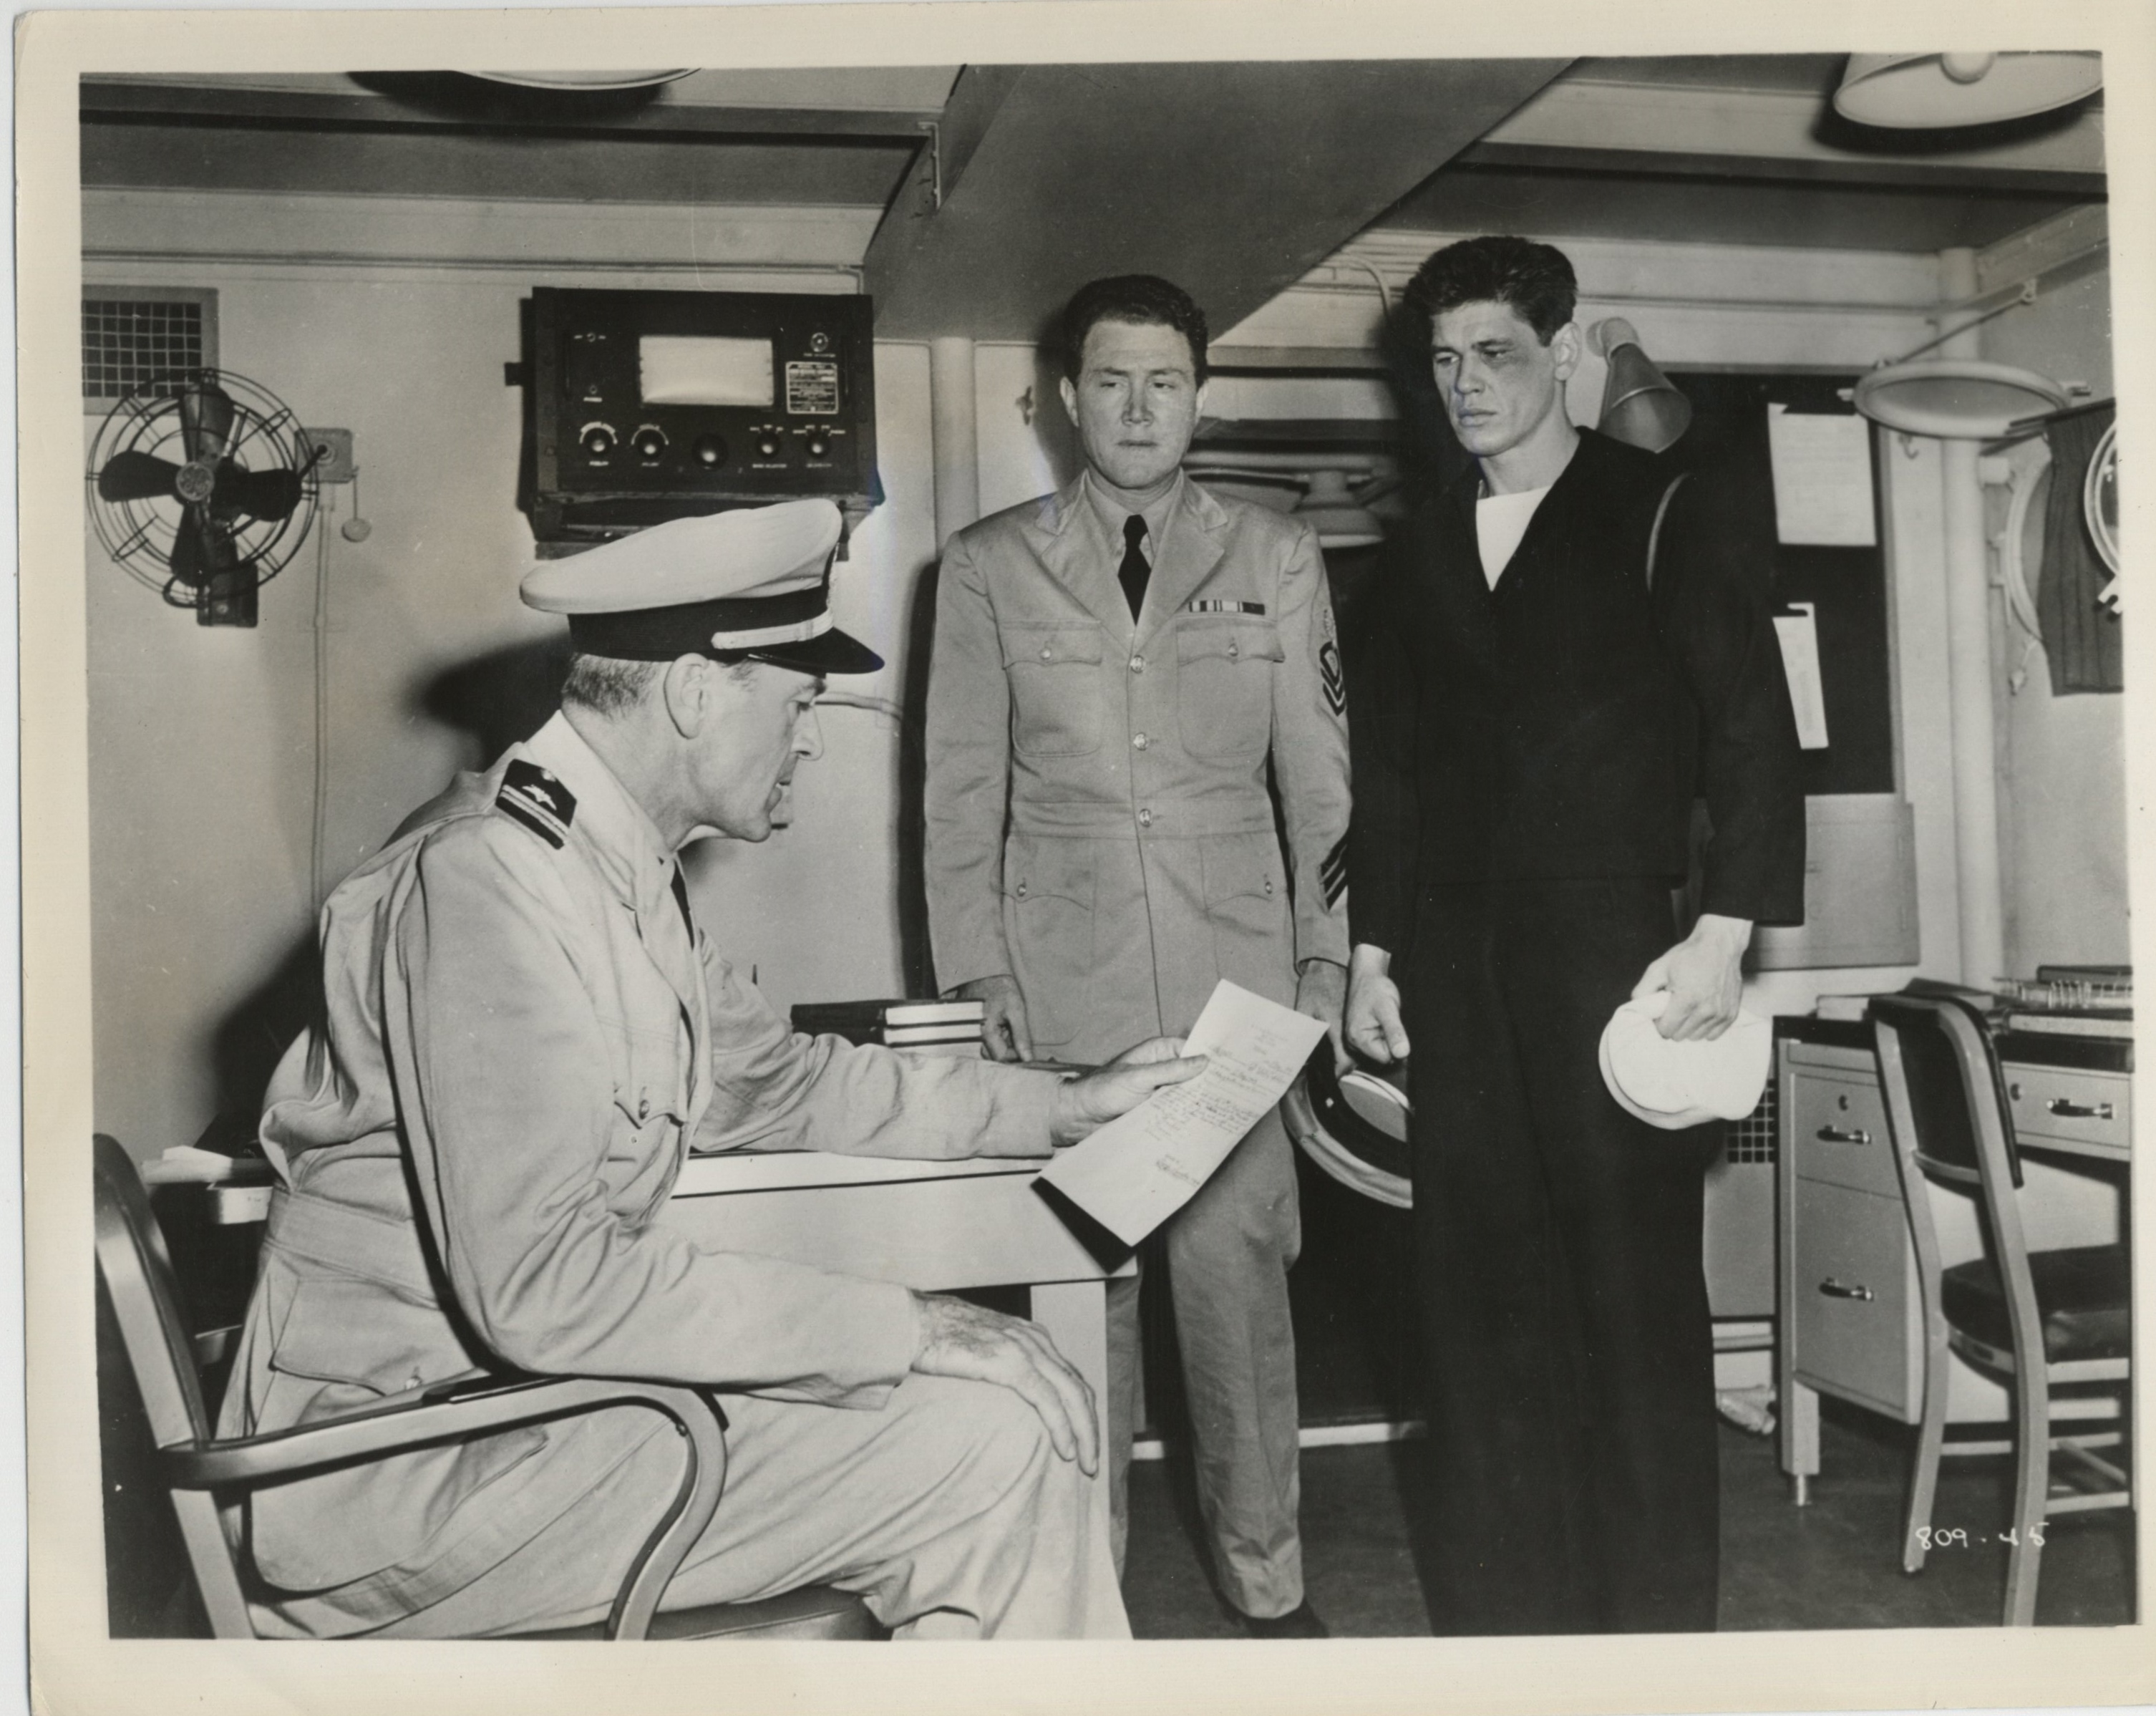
[203, 487]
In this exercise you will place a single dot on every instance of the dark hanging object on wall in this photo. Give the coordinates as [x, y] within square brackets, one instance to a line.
[2081, 636]
[203, 487]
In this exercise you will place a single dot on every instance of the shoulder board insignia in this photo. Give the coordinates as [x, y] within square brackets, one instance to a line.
[536, 800]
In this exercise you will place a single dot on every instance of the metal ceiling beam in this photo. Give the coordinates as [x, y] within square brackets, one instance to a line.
[1232, 179]
[1899, 172]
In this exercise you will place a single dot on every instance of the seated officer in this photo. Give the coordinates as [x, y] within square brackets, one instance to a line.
[524, 1030]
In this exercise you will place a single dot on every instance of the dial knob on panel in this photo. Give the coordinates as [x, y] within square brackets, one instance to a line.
[597, 440]
[768, 443]
[709, 451]
[649, 441]
[817, 445]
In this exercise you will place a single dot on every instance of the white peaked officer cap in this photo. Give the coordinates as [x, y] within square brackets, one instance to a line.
[751, 584]
[1672, 1084]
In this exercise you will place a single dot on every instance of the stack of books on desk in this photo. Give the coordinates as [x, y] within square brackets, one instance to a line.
[2072, 1000]
[929, 1027]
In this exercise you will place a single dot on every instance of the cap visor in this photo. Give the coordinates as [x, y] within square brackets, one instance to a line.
[833, 652]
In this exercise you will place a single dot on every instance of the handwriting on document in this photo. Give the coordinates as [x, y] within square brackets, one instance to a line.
[1135, 1172]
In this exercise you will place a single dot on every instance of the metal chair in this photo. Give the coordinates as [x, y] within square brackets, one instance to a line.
[195, 1466]
[2038, 1320]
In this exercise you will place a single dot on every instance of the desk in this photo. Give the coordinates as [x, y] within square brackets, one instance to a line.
[1851, 1313]
[934, 1226]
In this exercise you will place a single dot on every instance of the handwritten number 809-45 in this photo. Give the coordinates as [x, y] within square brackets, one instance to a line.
[1955, 1537]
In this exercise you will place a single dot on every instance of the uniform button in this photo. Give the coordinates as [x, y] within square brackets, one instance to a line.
[1268, 885]
[1140, 740]
[1234, 651]
[644, 1108]
[1138, 664]
[1021, 891]
[1047, 654]
[1145, 819]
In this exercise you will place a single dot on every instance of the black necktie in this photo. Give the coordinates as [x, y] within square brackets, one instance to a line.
[681, 899]
[1134, 572]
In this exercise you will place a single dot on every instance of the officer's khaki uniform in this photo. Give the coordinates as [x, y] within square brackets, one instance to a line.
[518, 1032]
[1099, 827]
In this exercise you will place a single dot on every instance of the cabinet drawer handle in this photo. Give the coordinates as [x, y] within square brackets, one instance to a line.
[2079, 1111]
[1843, 1290]
[1844, 1135]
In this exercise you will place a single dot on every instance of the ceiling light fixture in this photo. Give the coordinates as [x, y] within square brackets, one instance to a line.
[600, 79]
[1922, 91]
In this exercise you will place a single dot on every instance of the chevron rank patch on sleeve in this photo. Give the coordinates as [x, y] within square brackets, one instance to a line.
[1332, 872]
[536, 800]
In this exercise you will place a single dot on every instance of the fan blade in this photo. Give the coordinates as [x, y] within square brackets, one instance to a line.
[206, 414]
[269, 494]
[136, 476]
[200, 547]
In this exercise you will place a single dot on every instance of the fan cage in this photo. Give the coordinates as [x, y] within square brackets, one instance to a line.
[139, 534]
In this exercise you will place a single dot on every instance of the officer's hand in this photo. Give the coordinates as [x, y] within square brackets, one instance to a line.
[1372, 1023]
[1083, 1103]
[1705, 978]
[1322, 993]
[960, 1339]
[1004, 1034]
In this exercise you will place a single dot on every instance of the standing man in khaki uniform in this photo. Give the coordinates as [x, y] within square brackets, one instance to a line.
[523, 1029]
[1114, 667]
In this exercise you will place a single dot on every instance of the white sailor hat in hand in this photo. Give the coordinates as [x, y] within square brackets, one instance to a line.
[1672, 1084]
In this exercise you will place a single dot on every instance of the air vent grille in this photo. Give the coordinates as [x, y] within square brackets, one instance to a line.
[131, 337]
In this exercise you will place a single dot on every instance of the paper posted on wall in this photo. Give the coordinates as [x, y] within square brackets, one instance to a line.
[1822, 470]
[1796, 629]
[1139, 1170]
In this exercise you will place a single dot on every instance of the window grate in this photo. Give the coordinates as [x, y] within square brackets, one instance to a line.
[133, 338]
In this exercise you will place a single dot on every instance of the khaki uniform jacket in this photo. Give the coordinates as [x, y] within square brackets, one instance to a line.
[476, 1145]
[1098, 821]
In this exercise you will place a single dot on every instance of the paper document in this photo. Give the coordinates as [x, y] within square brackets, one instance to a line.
[1139, 1170]
[1822, 467]
[1797, 631]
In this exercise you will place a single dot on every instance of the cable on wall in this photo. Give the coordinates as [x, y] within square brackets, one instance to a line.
[320, 817]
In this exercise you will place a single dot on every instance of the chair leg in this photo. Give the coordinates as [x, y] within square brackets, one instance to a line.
[2032, 1484]
[1931, 1439]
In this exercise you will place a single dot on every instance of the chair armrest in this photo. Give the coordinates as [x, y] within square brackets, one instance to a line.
[439, 1413]
[469, 1407]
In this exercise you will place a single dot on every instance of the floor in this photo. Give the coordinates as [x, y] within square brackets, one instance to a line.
[1834, 1564]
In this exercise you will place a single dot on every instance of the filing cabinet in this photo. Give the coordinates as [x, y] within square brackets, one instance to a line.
[1853, 1321]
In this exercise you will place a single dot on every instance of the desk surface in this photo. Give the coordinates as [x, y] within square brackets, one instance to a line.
[2025, 1048]
[733, 1171]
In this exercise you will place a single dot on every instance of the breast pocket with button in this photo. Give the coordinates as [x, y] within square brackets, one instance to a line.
[1054, 674]
[1224, 685]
